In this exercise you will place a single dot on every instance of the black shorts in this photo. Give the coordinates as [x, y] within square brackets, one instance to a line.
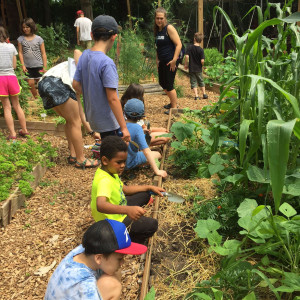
[54, 92]
[34, 73]
[166, 77]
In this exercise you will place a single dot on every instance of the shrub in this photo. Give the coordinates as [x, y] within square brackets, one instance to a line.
[54, 39]
[213, 57]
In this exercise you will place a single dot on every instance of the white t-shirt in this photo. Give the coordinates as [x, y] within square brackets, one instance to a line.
[85, 28]
[7, 52]
[65, 71]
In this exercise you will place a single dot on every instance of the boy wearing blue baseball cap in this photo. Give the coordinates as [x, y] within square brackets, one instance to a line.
[97, 79]
[139, 152]
[91, 270]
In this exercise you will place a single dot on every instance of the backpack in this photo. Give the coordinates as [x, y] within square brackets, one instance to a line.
[181, 54]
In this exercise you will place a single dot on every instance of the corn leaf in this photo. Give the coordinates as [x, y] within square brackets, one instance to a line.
[244, 130]
[278, 140]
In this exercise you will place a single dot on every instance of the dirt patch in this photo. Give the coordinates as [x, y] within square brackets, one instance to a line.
[57, 214]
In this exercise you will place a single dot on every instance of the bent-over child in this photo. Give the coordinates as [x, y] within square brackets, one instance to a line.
[112, 199]
[139, 152]
[194, 59]
[92, 270]
[9, 86]
[137, 91]
[32, 53]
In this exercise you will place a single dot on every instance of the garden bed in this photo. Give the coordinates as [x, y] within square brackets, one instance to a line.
[57, 214]
[9, 207]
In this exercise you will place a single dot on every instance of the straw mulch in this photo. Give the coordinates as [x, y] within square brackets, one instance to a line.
[58, 213]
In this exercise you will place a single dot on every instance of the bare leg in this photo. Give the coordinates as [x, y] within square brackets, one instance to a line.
[69, 111]
[203, 89]
[173, 98]
[77, 54]
[33, 90]
[8, 116]
[110, 287]
[156, 140]
[19, 111]
[195, 89]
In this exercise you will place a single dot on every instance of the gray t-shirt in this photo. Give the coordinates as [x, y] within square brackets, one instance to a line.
[32, 51]
[7, 52]
[96, 71]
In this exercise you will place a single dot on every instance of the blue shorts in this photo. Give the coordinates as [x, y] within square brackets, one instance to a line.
[139, 159]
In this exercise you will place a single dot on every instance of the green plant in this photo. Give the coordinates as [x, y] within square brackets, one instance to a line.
[134, 65]
[59, 121]
[267, 105]
[274, 237]
[16, 163]
[53, 36]
[213, 57]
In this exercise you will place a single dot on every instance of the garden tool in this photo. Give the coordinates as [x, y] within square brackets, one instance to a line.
[171, 197]
[147, 134]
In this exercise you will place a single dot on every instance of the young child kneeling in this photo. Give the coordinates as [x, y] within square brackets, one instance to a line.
[92, 270]
[139, 152]
[113, 200]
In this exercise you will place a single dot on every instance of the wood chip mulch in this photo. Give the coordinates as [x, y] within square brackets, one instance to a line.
[58, 213]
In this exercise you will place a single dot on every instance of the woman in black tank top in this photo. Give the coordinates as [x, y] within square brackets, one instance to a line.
[168, 46]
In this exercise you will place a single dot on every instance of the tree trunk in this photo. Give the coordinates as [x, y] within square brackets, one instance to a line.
[47, 21]
[86, 6]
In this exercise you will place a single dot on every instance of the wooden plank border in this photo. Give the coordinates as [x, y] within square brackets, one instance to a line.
[9, 207]
[157, 182]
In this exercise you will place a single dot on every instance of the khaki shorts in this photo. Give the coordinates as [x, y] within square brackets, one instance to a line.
[196, 79]
[86, 44]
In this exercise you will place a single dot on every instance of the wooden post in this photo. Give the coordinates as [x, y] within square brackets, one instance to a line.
[129, 14]
[19, 10]
[299, 11]
[2, 13]
[200, 18]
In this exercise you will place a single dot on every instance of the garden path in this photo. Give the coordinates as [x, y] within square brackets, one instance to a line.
[57, 214]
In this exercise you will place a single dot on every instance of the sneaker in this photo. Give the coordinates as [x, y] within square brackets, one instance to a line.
[167, 112]
[205, 96]
[197, 98]
[168, 106]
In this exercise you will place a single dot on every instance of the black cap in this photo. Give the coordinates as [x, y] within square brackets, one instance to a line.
[106, 22]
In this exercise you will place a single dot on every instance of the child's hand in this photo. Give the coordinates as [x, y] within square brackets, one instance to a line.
[157, 190]
[97, 136]
[135, 212]
[24, 69]
[43, 71]
[162, 173]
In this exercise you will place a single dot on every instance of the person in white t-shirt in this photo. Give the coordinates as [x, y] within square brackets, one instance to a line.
[83, 30]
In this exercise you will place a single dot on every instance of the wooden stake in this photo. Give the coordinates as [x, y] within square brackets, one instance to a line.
[200, 18]
[129, 14]
[298, 23]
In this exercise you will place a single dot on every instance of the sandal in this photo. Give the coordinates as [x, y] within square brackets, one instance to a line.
[11, 138]
[23, 134]
[83, 164]
[71, 160]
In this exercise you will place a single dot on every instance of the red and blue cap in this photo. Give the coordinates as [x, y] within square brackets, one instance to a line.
[122, 242]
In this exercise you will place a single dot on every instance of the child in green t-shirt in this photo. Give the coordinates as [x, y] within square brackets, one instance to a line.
[113, 200]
